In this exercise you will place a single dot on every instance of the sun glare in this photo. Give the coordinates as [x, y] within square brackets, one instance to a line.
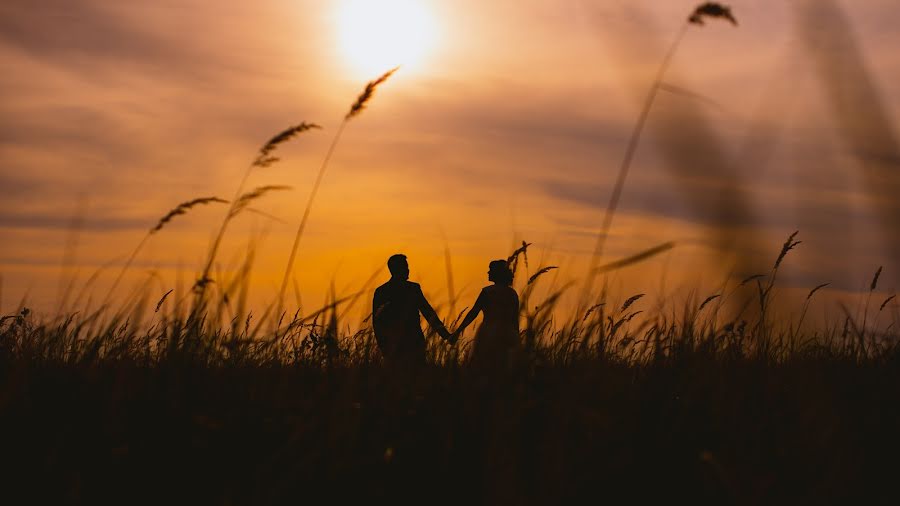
[376, 35]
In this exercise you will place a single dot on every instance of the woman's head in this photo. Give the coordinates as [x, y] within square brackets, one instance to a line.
[498, 272]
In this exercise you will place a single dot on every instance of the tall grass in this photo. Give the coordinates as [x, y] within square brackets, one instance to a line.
[356, 108]
[233, 407]
[263, 159]
[596, 405]
[598, 329]
[697, 17]
[178, 210]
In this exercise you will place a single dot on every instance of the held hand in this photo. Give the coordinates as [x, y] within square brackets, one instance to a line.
[454, 337]
[446, 335]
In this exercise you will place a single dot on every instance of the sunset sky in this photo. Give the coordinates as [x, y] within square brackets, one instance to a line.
[506, 121]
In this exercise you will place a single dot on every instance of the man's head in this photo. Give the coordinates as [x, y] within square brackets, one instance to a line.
[398, 266]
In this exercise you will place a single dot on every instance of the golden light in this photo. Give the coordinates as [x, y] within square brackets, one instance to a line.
[376, 35]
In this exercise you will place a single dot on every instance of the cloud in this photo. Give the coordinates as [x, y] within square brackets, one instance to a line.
[56, 221]
[79, 34]
[520, 122]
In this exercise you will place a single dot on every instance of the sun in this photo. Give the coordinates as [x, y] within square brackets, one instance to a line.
[377, 35]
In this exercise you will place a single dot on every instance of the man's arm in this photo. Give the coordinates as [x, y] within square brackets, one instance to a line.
[431, 316]
[516, 319]
[377, 305]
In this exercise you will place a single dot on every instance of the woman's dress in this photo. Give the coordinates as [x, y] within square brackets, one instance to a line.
[498, 335]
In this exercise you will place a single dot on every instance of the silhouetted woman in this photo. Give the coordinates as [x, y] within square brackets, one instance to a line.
[498, 334]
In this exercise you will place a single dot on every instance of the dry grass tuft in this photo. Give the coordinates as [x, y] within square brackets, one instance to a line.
[591, 310]
[540, 273]
[162, 300]
[367, 94]
[183, 208]
[816, 289]
[711, 10]
[708, 9]
[244, 200]
[751, 278]
[264, 158]
[631, 300]
[788, 245]
[874, 283]
[513, 259]
[708, 300]
[633, 259]
[355, 109]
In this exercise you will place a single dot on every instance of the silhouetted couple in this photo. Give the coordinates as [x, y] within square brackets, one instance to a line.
[398, 303]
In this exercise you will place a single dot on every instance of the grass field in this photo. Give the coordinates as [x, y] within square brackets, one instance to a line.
[195, 399]
[609, 406]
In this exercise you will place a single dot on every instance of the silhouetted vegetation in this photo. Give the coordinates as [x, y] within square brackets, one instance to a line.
[203, 402]
[612, 405]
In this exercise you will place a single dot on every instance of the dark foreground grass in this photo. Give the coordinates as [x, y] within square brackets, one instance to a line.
[189, 417]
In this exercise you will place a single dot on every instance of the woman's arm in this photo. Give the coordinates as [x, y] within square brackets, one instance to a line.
[471, 315]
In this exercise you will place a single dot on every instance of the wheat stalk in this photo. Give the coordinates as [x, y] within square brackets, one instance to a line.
[178, 210]
[183, 208]
[806, 307]
[162, 300]
[513, 260]
[263, 159]
[636, 258]
[711, 10]
[872, 286]
[367, 93]
[355, 109]
[631, 300]
[707, 301]
[885, 303]
[751, 278]
[540, 273]
[244, 200]
[706, 10]
[448, 265]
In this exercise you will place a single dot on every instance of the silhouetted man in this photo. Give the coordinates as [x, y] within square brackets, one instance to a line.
[395, 309]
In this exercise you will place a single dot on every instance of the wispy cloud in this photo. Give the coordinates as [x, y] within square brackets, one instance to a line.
[518, 123]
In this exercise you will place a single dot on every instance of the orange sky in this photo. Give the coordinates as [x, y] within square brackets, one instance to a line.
[510, 127]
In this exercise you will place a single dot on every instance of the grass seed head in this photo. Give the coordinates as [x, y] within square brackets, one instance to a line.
[752, 278]
[631, 300]
[244, 200]
[787, 246]
[540, 273]
[711, 10]
[591, 310]
[183, 208]
[816, 289]
[513, 259]
[264, 158]
[875, 280]
[632, 315]
[367, 94]
[636, 258]
[161, 300]
[201, 284]
[708, 300]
